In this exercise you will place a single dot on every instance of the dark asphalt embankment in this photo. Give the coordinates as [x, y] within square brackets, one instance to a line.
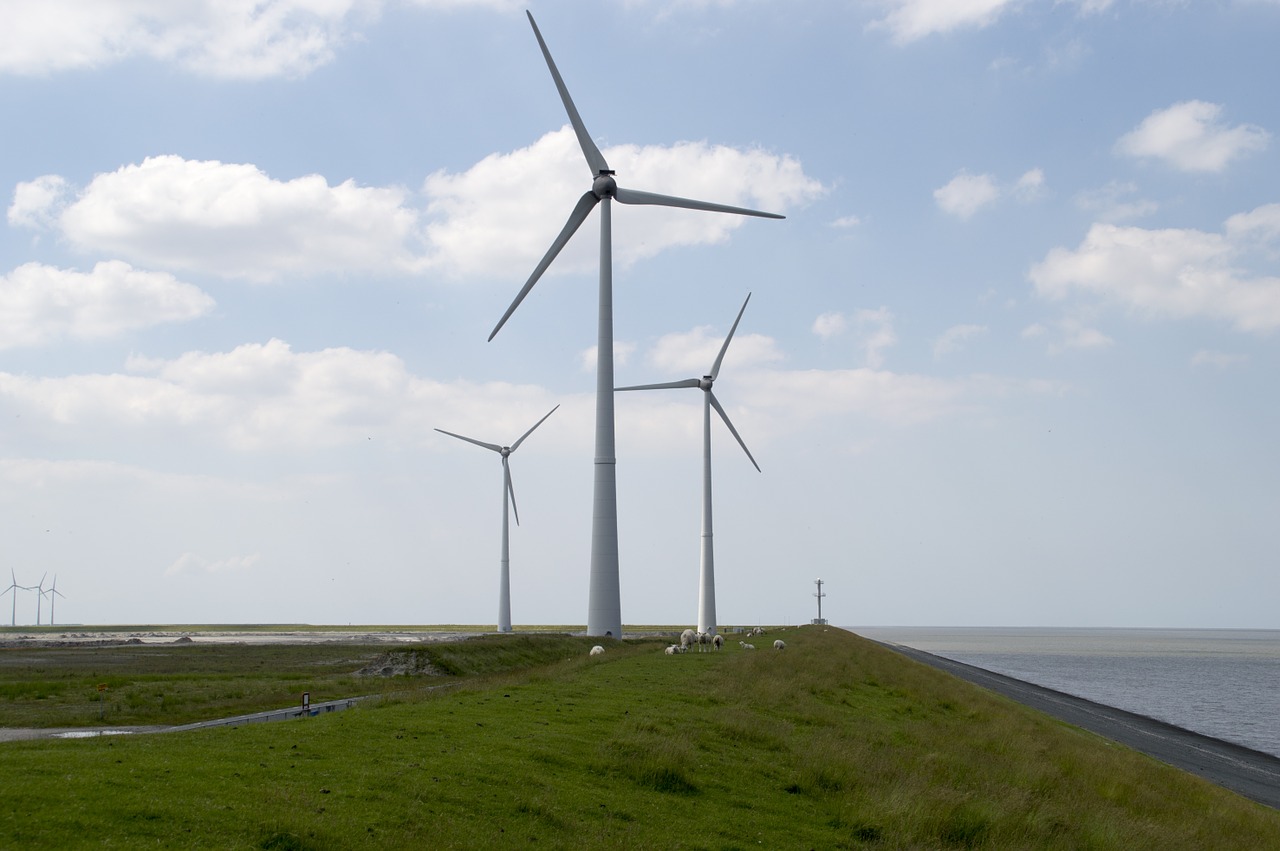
[1251, 773]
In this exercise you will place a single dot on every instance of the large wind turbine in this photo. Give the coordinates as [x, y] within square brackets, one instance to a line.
[707, 573]
[39, 589]
[504, 573]
[604, 606]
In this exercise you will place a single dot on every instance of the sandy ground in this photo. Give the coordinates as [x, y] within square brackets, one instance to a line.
[1251, 773]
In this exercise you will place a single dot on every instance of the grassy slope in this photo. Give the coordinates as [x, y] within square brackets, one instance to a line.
[833, 743]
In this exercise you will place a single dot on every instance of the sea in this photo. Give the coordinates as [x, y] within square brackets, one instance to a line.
[1223, 683]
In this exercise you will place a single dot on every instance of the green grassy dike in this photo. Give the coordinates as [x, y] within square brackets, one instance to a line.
[833, 743]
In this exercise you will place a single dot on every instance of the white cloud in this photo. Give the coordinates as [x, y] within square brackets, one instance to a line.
[1173, 273]
[692, 353]
[955, 338]
[35, 201]
[234, 220]
[1221, 360]
[231, 39]
[875, 334]
[830, 325]
[39, 303]
[966, 194]
[1189, 137]
[910, 20]
[846, 222]
[504, 212]
[1030, 185]
[1111, 203]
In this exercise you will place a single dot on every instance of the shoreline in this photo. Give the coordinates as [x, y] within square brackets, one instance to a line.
[1248, 772]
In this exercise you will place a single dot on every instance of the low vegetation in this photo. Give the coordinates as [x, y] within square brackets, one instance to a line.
[833, 743]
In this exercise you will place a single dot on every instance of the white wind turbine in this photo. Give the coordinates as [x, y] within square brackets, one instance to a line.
[13, 589]
[39, 589]
[604, 606]
[53, 593]
[707, 573]
[504, 574]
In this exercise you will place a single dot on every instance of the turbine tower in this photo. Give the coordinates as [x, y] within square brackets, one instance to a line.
[604, 605]
[707, 572]
[53, 593]
[13, 589]
[39, 589]
[504, 571]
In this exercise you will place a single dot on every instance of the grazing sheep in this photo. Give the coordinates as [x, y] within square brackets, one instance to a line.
[779, 644]
[687, 638]
[717, 641]
[746, 646]
[597, 650]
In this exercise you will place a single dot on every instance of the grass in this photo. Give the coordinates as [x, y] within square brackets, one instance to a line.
[833, 743]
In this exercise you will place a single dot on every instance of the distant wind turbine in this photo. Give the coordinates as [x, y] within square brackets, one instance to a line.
[707, 574]
[39, 589]
[604, 607]
[53, 592]
[13, 589]
[504, 580]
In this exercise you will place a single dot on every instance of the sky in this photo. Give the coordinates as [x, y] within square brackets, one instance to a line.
[1009, 360]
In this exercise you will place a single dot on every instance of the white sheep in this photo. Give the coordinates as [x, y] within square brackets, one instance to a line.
[717, 641]
[687, 638]
[597, 650]
[779, 644]
[673, 649]
[746, 646]
[704, 640]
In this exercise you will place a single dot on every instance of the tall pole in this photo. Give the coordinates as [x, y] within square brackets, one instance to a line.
[504, 566]
[604, 604]
[819, 595]
[707, 574]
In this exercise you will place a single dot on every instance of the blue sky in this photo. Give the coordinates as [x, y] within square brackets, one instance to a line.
[1009, 360]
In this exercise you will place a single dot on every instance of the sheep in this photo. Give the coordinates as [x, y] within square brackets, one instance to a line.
[746, 646]
[672, 649]
[597, 650]
[779, 644]
[688, 637]
[704, 639]
[717, 641]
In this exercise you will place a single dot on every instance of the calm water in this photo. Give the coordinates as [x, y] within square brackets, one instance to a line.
[1221, 682]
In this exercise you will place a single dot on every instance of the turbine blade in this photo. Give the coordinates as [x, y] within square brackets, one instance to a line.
[667, 385]
[715, 403]
[632, 196]
[715, 369]
[576, 218]
[511, 491]
[495, 447]
[595, 159]
[516, 445]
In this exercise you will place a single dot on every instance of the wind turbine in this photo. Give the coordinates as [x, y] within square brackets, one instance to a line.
[39, 589]
[13, 589]
[53, 592]
[707, 573]
[604, 606]
[504, 580]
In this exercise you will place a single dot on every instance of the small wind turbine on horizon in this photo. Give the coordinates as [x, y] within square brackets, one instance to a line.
[13, 589]
[53, 592]
[504, 574]
[604, 606]
[39, 589]
[707, 575]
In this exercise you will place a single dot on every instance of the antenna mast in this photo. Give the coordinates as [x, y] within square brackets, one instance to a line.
[819, 595]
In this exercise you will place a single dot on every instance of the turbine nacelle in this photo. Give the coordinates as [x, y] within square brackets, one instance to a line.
[705, 383]
[604, 186]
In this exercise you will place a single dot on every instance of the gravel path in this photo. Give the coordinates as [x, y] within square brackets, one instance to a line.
[1251, 773]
